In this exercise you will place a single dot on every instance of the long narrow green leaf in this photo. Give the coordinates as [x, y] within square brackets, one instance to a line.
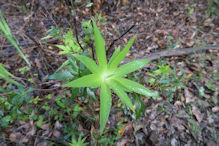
[4, 26]
[5, 75]
[105, 105]
[89, 63]
[115, 53]
[135, 87]
[7, 32]
[130, 67]
[122, 95]
[61, 76]
[99, 44]
[91, 80]
[121, 55]
[4, 72]
[8, 79]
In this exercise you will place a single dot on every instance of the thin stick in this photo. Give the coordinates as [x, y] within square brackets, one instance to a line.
[113, 42]
[76, 32]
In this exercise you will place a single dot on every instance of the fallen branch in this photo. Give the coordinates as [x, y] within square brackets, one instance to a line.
[173, 52]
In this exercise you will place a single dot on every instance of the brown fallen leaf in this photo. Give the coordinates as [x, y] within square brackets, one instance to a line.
[45, 126]
[58, 125]
[14, 136]
[31, 131]
[24, 139]
[189, 96]
[56, 133]
[189, 75]
[190, 43]
[207, 22]
[122, 142]
[126, 129]
[215, 109]
[18, 137]
[178, 103]
[205, 103]
[196, 112]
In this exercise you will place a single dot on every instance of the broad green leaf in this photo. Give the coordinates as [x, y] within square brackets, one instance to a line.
[99, 44]
[122, 87]
[115, 53]
[73, 63]
[122, 95]
[89, 4]
[89, 63]
[121, 55]
[91, 80]
[135, 87]
[91, 93]
[130, 67]
[61, 76]
[63, 65]
[65, 49]
[105, 105]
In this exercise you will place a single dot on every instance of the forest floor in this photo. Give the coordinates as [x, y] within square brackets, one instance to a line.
[187, 110]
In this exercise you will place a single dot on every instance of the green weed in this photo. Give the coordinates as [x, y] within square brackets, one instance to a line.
[194, 127]
[78, 142]
[166, 80]
[108, 76]
[11, 105]
[212, 9]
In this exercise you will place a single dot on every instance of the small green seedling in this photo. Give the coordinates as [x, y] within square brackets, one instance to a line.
[79, 142]
[110, 76]
[70, 44]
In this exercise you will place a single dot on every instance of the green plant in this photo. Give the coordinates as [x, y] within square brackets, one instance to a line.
[212, 10]
[190, 10]
[7, 32]
[194, 127]
[79, 142]
[12, 102]
[24, 69]
[108, 139]
[70, 46]
[171, 43]
[166, 80]
[40, 120]
[160, 75]
[108, 76]
[163, 70]
[88, 29]
[53, 33]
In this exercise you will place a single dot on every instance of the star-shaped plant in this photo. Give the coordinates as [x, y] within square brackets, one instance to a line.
[110, 76]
